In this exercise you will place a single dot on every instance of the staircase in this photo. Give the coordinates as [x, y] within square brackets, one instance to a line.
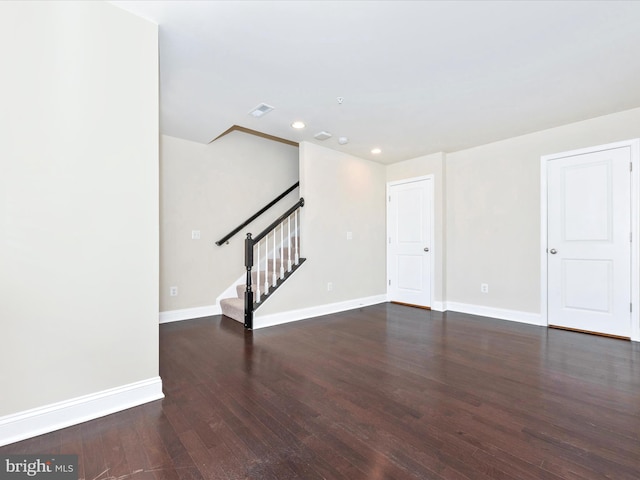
[275, 254]
[234, 307]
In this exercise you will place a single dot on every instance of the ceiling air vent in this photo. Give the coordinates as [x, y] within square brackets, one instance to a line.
[261, 110]
[322, 135]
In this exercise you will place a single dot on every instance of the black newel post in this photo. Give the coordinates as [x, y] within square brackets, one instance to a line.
[248, 294]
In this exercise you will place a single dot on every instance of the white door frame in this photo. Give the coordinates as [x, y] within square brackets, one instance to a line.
[634, 146]
[432, 248]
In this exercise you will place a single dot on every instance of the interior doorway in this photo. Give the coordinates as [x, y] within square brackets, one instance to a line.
[588, 239]
[410, 241]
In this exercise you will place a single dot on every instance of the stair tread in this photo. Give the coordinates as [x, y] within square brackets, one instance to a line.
[233, 307]
[232, 301]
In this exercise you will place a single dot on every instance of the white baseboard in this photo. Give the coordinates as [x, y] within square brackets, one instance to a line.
[304, 313]
[37, 421]
[189, 313]
[499, 313]
[438, 306]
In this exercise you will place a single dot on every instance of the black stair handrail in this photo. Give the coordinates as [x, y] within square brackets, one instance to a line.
[249, 242]
[224, 239]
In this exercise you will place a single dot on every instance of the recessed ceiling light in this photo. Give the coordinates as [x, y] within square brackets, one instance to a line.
[261, 110]
[298, 124]
[376, 151]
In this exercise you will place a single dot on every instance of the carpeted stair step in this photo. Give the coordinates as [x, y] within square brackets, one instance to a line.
[241, 289]
[285, 254]
[254, 276]
[279, 263]
[233, 308]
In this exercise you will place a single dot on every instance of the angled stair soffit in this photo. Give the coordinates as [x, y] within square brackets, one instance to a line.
[238, 128]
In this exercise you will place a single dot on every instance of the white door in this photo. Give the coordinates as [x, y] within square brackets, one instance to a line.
[589, 241]
[409, 232]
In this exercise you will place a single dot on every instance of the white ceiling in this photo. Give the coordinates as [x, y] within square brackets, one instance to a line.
[417, 77]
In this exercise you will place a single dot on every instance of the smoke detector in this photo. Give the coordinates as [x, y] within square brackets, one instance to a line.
[343, 140]
[322, 135]
[261, 110]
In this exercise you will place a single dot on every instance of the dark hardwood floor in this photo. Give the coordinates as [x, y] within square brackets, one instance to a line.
[382, 392]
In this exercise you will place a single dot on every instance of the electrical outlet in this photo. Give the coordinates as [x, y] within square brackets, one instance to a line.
[329, 286]
[349, 235]
[484, 287]
[195, 234]
[173, 291]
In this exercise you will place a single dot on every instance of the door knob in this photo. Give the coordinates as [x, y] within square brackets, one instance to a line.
[553, 251]
[426, 249]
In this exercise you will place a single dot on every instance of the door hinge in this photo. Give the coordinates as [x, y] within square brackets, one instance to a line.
[630, 167]
[389, 197]
[389, 282]
[389, 240]
[631, 307]
[631, 237]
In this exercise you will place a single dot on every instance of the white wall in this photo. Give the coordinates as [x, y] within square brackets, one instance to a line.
[342, 194]
[78, 201]
[487, 204]
[433, 164]
[493, 211]
[212, 188]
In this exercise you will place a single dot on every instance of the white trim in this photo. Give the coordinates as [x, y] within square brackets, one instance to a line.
[544, 312]
[304, 313]
[434, 250]
[634, 146]
[37, 421]
[499, 313]
[635, 233]
[189, 313]
[438, 306]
